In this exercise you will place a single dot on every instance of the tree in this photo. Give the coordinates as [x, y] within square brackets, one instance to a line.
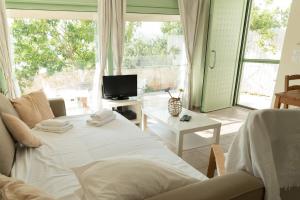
[265, 22]
[172, 28]
[54, 45]
[65, 45]
[77, 44]
[130, 31]
[137, 47]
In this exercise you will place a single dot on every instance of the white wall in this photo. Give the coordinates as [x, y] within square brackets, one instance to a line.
[290, 58]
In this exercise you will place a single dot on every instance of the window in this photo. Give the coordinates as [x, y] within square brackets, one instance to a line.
[267, 26]
[56, 55]
[155, 51]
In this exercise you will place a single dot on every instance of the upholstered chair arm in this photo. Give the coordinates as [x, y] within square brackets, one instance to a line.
[216, 161]
[236, 186]
[58, 107]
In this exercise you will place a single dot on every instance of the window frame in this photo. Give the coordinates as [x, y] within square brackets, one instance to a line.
[151, 17]
[243, 59]
[45, 14]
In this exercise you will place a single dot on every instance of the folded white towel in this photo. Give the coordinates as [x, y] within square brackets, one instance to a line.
[98, 123]
[103, 114]
[62, 129]
[54, 123]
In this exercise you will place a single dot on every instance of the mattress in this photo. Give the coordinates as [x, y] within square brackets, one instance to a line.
[49, 166]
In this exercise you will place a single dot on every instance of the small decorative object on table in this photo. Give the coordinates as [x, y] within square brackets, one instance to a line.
[174, 104]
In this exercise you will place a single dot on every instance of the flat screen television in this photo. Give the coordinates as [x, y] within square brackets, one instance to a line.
[120, 86]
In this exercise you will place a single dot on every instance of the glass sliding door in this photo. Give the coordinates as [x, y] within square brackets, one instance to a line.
[155, 51]
[261, 57]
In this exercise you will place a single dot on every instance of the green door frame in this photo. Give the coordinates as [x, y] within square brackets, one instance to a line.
[242, 51]
[242, 58]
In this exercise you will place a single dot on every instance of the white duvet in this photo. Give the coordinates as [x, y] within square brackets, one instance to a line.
[49, 166]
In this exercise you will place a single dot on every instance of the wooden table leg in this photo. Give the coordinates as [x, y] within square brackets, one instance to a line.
[277, 103]
[179, 144]
[144, 121]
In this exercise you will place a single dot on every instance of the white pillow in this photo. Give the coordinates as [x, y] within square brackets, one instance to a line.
[128, 179]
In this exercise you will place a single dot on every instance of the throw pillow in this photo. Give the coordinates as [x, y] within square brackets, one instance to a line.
[128, 179]
[20, 131]
[33, 108]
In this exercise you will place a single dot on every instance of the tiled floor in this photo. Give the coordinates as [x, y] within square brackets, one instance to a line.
[197, 146]
[255, 101]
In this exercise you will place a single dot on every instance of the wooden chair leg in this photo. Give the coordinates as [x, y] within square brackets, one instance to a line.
[211, 165]
[216, 161]
[277, 102]
[286, 106]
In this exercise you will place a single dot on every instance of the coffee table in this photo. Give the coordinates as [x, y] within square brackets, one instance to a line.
[198, 122]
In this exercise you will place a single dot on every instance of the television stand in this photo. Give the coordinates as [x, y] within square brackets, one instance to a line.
[119, 98]
[132, 104]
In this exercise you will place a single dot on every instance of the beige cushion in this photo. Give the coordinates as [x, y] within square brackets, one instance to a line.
[7, 150]
[11, 189]
[42, 103]
[33, 108]
[58, 107]
[7, 145]
[20, 131]
[127, 178]
[6, 106]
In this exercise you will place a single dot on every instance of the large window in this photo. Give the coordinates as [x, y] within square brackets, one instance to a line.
[267, 26]
[155, 51]
[58, 56]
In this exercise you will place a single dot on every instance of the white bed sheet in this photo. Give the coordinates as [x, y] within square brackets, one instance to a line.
[49, 166]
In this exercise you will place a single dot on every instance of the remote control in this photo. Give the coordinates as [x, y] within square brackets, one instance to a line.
[185, 118]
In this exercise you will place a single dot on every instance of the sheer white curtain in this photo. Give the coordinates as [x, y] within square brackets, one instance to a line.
[5, 53]
[194, 17]
[102, 38]
[117, 31]
[110, 24]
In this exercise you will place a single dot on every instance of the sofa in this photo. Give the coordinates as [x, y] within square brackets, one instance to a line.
[236, 186]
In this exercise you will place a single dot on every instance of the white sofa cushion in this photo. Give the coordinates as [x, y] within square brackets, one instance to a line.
[128, 178]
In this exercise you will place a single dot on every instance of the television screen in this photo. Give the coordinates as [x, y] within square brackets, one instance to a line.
[119, 87]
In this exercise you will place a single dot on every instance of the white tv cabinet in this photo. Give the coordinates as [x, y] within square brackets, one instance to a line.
[133, 104]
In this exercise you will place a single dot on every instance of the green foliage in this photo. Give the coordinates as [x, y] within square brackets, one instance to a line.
[130, 31]
[62, 45]
[265, 22]
[136, 46]
[77, 45]
[54, 45]
[172, 28]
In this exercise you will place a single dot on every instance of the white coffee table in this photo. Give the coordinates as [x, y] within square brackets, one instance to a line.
[198, 122]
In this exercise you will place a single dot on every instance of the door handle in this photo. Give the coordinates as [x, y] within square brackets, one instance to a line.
[214, 53]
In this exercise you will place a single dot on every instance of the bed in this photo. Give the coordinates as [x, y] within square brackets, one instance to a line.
[49, 166]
